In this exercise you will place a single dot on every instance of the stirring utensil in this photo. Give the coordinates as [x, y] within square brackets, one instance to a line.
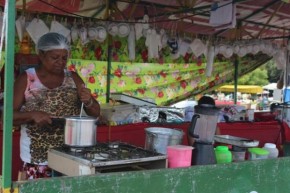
[82, 108]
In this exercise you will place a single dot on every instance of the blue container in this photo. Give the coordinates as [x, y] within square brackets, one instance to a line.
[286, 95]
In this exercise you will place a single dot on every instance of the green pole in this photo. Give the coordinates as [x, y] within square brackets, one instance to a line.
[109, 71]
[236, 65]
[8, 95]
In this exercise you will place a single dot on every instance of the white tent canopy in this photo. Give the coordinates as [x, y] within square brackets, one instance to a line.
[271, 86]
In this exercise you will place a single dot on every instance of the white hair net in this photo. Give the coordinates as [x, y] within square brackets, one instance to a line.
[52, 41]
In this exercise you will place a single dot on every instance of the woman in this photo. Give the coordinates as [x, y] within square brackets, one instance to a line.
[43, 93]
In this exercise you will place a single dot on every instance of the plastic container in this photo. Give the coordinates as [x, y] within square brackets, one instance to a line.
[250, 113]
[239, 156]
[158, 138]
[179, 156]
[223, 154]
[257, 153]
[273, 151]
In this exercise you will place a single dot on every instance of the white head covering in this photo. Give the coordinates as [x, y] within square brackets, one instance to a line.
[52, 41]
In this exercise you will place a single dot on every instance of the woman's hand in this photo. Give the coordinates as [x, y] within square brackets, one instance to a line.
[85, 95]
[41, 118]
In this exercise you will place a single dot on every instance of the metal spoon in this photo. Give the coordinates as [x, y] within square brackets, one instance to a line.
[82, 108]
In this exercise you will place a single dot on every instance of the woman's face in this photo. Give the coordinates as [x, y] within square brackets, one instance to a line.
[54, 60]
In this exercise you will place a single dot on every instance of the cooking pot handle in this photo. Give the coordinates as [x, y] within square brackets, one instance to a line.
[58, 121]
[192, 126]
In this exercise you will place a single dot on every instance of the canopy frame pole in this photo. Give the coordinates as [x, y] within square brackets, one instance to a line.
[8, 96]
[286, 77]
[236, 65]
[109, 52]
[109, 67]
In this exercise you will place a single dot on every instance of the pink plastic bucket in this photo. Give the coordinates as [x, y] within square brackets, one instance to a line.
[179, 156]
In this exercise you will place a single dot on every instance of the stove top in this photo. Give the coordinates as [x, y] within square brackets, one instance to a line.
[108, 154]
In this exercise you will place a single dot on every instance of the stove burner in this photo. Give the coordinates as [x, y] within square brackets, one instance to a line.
[77, 150]
[114, 145]
[101, 156]
[111, 151]
[122, 157]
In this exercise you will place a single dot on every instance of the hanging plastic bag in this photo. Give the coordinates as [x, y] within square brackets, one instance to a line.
[83, 34]
[112, 29]
[59, 28]
[36, 28]
[20, 26]
[197, 47]
[102, 33]
[123, 30]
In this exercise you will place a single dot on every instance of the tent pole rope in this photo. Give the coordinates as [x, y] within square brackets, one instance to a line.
[236, 74]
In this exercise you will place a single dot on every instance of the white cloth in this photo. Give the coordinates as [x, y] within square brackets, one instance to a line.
[131, 43]
[153, 42]
[223, 14]
[210, 60]
[25, 146]
[138, 29]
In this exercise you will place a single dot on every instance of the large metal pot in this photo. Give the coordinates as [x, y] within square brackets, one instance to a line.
[158, 138]
[80, 131]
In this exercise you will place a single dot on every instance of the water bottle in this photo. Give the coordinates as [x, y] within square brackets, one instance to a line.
[265, 102]
[273, 151]
[223, 154]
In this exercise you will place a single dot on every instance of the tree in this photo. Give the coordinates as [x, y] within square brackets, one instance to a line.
[257, 77]
[265, 74]
[273, 72]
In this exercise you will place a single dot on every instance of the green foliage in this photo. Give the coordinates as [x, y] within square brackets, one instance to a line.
[273, 72]
[256, 77]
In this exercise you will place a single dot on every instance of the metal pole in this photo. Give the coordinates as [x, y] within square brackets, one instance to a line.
[109, 69]
[109, 42]
[286, 78]
[236, 65]
[8, 96]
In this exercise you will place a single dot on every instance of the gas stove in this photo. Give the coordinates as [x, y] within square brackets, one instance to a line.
[103, 158]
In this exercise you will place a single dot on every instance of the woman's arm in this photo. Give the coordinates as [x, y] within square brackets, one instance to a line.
[37, 117]
[92, 107]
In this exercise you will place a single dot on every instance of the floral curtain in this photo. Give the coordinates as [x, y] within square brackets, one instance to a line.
[164, 83]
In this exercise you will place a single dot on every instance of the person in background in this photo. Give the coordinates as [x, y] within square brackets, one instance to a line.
[204, 100]
[40, 94]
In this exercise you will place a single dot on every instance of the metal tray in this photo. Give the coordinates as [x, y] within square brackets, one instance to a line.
[131, 100]
[237, 141]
